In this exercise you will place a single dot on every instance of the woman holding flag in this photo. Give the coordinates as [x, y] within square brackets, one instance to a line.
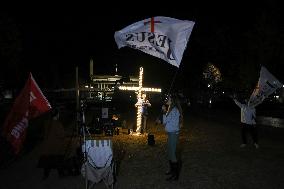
[172, 120]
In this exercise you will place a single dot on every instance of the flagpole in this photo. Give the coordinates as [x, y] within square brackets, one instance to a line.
[80, 109]
[173, 80]
[77, 98]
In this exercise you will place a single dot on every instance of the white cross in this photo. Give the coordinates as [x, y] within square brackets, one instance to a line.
[139, 89]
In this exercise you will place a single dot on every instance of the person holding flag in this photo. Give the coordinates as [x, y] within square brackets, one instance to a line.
[165, 38]
[248, 123]
[172, 120]
[266, 85]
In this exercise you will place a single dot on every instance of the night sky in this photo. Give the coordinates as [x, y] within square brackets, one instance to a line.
[51, 43]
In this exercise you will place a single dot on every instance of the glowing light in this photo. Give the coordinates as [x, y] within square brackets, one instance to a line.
[208, 85]
[86, 86]
[152, 90]
[126, 88]
[139, 99]
[138, 90]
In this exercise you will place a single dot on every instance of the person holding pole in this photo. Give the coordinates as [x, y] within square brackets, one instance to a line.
[172, 120]
[248, 123]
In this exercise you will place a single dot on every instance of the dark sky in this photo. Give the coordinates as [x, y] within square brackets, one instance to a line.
[56, 41]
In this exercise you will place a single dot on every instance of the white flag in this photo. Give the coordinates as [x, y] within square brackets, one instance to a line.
[266, 85]
[162, 37]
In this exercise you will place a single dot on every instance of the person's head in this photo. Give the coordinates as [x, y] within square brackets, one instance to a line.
[169, 100]
[172, 100]
[144, 96]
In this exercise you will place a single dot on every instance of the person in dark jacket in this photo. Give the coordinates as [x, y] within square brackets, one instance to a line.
[53, 149]
[145, 113]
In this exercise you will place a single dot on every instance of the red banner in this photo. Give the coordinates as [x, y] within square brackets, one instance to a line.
[29, 104]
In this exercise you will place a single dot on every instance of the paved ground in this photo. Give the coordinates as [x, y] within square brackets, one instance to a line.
[209, 149]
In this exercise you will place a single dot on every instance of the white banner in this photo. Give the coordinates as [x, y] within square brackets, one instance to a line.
[266, 85]
[162, 37]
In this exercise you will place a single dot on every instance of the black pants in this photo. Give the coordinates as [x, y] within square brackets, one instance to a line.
[144, 121]
[252, 129]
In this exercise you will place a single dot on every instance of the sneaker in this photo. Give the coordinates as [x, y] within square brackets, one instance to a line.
[256, 145]
[243, 145]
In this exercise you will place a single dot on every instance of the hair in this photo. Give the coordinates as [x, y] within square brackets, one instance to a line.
[175, 103]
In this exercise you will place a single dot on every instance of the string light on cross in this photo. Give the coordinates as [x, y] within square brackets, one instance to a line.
[139, 103]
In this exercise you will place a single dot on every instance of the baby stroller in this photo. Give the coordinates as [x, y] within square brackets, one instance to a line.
[99, 164]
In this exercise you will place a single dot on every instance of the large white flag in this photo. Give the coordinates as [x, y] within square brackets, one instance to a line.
[162, 37]
[266, 85]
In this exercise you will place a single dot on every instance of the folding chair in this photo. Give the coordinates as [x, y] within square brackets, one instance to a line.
[99, 164]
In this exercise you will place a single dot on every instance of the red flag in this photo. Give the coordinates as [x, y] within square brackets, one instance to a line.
[29, 104]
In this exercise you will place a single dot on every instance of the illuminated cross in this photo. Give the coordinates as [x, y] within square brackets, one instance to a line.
[139, 90]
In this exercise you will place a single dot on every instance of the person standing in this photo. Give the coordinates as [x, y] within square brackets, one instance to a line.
[248, 123]
[53, 149]
[172, 120]
[145, 105]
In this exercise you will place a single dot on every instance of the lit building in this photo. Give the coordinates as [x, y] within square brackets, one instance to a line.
[103, 86]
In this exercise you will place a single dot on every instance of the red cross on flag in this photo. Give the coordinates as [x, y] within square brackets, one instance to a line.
[152, 24]
[29, 104]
